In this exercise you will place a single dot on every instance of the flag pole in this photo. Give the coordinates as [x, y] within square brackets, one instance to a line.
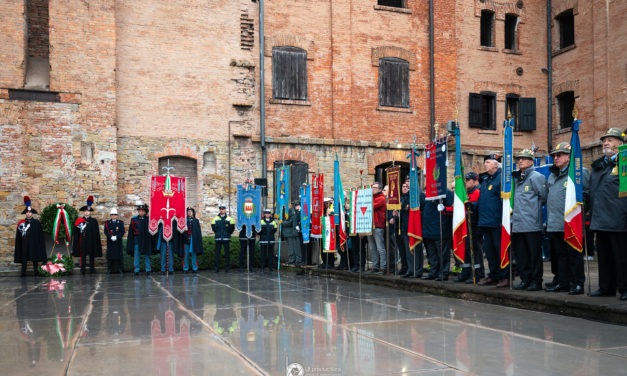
[509, 254]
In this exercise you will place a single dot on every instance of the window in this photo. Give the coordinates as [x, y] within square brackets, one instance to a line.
[481, 109]
[523, 111]
[511, 25]
[566, 24]
[511, 104]
[565, 104]
[289, 73]
[392, 3]
[184, 167]
[487, 25]
[38, 45]
[299, 174]
[393, 82]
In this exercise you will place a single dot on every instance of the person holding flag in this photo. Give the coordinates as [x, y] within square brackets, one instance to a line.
[472, 190]
[570, 274]
[609, 217]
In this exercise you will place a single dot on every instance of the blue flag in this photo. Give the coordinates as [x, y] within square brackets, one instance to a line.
[248, 208]
[305, 211]
[282, 196]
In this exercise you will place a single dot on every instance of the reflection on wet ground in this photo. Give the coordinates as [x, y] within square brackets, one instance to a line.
[232, 324]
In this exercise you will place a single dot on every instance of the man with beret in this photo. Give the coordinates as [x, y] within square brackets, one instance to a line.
[490, 210]
[29, 240]
[114, 232]
[566, 262]
[472, 190]
[609, 218]
[223, 226]
[87, 237]
[139, 241]
[529, 190]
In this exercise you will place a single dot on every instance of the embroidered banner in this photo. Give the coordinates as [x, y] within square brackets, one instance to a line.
[317, 205]
[305, 211]
[167, 201]
[622, 174]
[436, 162]
[394, 189]
[282, 195]
[361, 211]
[248, 208]
[328, 234]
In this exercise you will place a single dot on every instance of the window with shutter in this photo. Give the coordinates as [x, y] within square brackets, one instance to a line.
[527, 114]
[289, 73]
[512, 105]
[487, 26]
[474, 110]
[565, 104]
[393, 82]
[511, 26]
[566, 24]
[488, 107]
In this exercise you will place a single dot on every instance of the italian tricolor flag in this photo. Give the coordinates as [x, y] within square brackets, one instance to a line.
[460, 231]
[328, 234]
[573, 221]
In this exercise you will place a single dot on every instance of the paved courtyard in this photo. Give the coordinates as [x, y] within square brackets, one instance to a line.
[231, 324]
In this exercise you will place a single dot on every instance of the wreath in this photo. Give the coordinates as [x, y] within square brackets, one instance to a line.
[57, 265]
[57, 220]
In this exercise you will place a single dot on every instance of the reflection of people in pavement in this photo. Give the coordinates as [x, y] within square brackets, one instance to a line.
[251, 335]
[30, 328]
[194, 301]
[116, 318]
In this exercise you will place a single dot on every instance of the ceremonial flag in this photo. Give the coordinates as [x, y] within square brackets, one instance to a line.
[328, 234]
[167, 201]
[394, 191]
[305, 209]
[573, 216]
[460, 230]
[317, 205]
[506, 192]
[436, 163]
[248, 208]
[282, 196]
[622, 167]
[414, 227]
[361, 211]
[338, 197]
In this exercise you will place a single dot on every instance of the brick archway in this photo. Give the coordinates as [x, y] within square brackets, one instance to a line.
[176, 149]
[286, 154]
[388, 156]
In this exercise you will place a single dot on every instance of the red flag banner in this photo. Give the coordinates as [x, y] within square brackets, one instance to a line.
[167, 201]
[394, 190]
[317, 205]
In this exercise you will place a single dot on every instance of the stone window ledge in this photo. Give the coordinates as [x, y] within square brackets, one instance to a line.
[489, 49]
[488, 131]
[562, 130]
[513, 52]
[395, 109]
[562, 50]
[393, 9]
[290, 102]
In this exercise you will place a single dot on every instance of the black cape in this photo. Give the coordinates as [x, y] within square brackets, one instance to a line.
[114, 248]
[193, 230]
[145, 240]
[29, 246]
[87, 241]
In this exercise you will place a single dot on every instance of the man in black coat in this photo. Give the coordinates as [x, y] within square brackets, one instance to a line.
[87, 238]
[29, 240]
[266, 239]
[139, 241]
[609, 218]
[114, 232]
[223, 226]
[192, 239]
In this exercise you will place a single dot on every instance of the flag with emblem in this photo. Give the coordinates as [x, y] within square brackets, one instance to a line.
[573, 215]
[622, 168]
[506, 191]
[460, 231]
[338, 197]
[317, 205]
[248, 208]
[361, 211]
[282, 196]
[414, 226]
[305, 208]
[167, 201]
[328, 234]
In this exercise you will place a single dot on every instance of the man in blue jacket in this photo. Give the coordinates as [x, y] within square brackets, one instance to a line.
[490, 210]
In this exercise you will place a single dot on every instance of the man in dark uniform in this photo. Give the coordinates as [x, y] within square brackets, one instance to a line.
[290, 232]
[114, 231]
[609, 218]
[167, 249]
[139, 241]
[490, 210]
[192, 239]
[435, 228]
[29, 240]
[472, 190]
[87, 238]
[223, 226]
[266, 239]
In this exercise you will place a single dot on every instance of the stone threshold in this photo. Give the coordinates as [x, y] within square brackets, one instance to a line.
[335, 142]
[606, 309]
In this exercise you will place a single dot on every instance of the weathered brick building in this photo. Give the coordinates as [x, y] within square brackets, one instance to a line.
[97, 96]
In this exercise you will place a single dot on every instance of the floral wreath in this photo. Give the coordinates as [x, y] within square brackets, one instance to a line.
[57, 265]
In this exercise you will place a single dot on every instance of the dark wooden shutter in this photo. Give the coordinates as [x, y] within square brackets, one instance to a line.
[527, 114]
[289, 73]
[474, 110]
[393, 82]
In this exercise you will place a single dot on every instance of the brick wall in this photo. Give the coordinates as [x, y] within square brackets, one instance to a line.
[37, 21]
[12, 43]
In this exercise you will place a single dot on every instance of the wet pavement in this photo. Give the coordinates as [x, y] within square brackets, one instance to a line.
[232, 324]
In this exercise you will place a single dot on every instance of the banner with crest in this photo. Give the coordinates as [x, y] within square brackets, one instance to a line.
[361, 211]
[305, 211]
[435, 163]
[248, 208]
[282, 194]
[317, 205]
[394, 189]
[167, 201]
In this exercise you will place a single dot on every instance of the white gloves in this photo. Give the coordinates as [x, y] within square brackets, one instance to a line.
[114, 238]
[297, 228]
[440, 207]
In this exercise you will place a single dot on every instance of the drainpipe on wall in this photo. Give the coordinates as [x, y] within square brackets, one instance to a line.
[549, 67]
[431, 74]
[262, 101]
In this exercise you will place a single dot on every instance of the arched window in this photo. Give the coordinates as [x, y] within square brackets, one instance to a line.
[183, 167]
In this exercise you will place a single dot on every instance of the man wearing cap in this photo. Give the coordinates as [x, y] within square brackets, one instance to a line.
[222, 226]
[490, 210]
[87, 237]
[566, 262]
[290, 232]
[29, 240]
[266, 240]
[609, 218]
[192, 242]
[139, 241]
[376, 241]
[472, 190]
[114, 232]
[529, 188]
